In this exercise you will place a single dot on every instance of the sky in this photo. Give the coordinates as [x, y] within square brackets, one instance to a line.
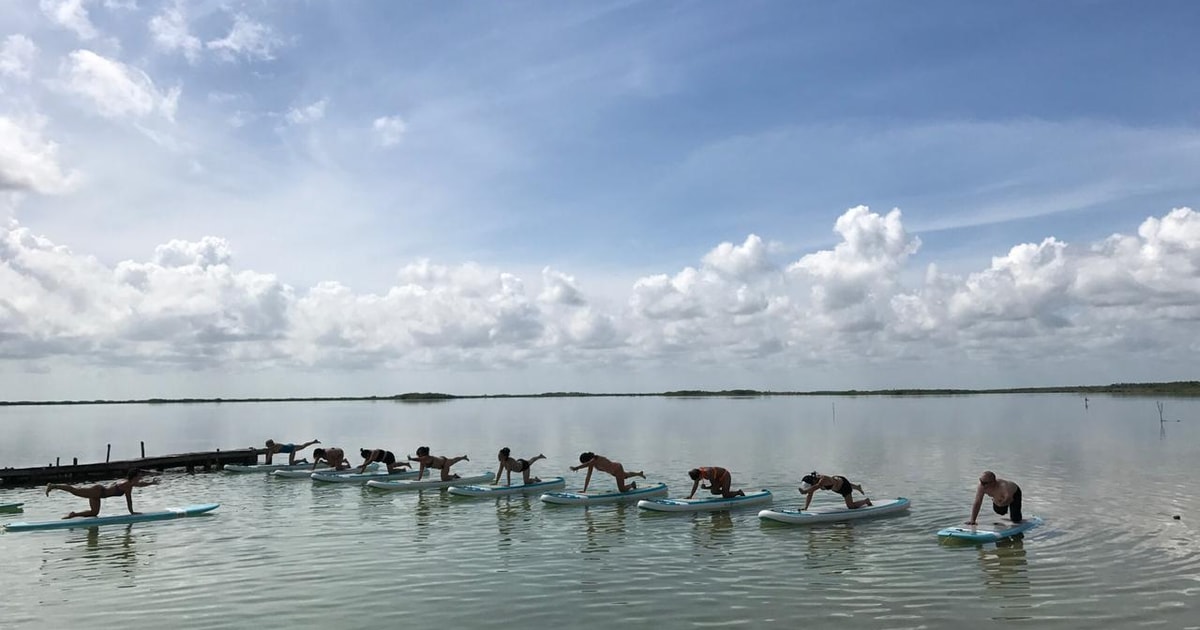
[293, 198]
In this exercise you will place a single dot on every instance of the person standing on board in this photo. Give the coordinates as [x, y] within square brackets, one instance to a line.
[97, 492]
[719, 480]
[815, 481]
[436, 462]
[379, 455]
[510, 465]
[334, 457]
[590, 460]
[1006, 497]
[289, 448]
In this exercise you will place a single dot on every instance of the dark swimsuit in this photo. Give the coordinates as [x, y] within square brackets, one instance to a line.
[111, 491]
[846, 489]
[522, 465]
[1013, 509]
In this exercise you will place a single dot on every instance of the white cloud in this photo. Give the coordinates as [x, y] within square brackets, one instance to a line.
[739, 261]
[389, 130]
[170, 32]
[308, 114]
[16, 56]
[117, 90]
[560, 288]
[248, 39]
[70, 14]
[29, 162]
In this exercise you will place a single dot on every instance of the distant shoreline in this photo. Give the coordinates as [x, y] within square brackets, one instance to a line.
[1175, 388]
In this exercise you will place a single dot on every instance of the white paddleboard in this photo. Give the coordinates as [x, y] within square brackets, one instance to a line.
[608, 496]
[834, 513]
[266, 468]
[498, 490]
[72, 523]
[10, 507]
[426, 484]
[307, 472]
[989, 532]
[361, 478]
[707, 504]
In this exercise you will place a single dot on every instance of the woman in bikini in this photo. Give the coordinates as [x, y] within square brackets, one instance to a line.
[719, 480]
[379, 455]
[97, 492]
[436, 462]
[837, 483]
[333, 456]
[289, 448]
[510, 466]
[590, 461]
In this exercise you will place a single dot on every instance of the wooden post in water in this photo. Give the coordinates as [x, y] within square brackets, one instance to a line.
[143, 449]
[74, 461]
[107, 454]
[56, 462]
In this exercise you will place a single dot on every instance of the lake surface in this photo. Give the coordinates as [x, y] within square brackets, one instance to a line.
[1108, 480]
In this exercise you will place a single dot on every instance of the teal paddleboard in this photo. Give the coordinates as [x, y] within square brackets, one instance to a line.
[72, 523]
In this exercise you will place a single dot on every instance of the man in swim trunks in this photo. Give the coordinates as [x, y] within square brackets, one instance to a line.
[379, 455]
[590, 461]
[436, 462]
[510, 465]
[719, 480]
[97, 492]
[334, 457]
[1006, 497]
[289, 448]
[815, 481]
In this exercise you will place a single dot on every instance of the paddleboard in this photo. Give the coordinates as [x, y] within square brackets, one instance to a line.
[426, 484]
[73, 523]
[834, 513]
[498, 490]
[989, 532]
[706, 504]
[11, 507]
[253, 468]
[361, 478]
[608, 496]
[307, 472]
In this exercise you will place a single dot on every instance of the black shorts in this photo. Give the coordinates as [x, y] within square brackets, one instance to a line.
[389, 457]
[846, 488]
[1013, 509]
[522, 465]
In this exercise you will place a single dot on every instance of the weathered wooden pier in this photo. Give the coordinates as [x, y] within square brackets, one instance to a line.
[190, 462]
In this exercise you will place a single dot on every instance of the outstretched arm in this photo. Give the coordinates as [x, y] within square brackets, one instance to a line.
[129, 500]
[808, 497]
[695, 484]
[976, 505]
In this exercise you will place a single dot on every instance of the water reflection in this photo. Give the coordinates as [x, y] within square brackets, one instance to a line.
[713, 531]
[431, 506]
[604, 527]
[512, 513]
[104, 552]
[1006, 577]
[831, 547]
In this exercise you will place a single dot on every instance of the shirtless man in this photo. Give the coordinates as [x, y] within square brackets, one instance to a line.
[590, 461]
[719, 480]
[289, 448]
[96, 492]
[1006, 497]
[815, 481]
[436, 462]
[379, 455]
[510, 465]
[334, 457]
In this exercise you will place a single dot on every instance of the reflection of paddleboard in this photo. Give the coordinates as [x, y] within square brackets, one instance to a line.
[834, 513]
[361, 478]
[10, 507]
[706, 505]
[426, 484]
[253, 468]
[306, 472]
[992, 533]
[498, 490]
[600, 498]
[71, 523]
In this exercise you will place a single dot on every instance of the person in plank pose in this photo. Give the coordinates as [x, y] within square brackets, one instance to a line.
[334, 457]
[1006, 497]
[97, 492]
[436, 462]
[815, 481]
[510, 465]
[289, 448]
[590, 460]
[719, 480]
[379, 455]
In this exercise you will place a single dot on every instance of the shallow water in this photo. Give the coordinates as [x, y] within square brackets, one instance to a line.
[1108, 481]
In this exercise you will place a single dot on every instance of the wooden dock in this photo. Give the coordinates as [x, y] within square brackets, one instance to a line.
[191, 462]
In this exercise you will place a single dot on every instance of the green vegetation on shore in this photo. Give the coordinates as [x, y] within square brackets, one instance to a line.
[1175, 389]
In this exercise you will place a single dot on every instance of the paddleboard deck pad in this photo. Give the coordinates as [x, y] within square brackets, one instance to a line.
[73, 523]
[706, 504]
[498, 490]
[601, 498]
[253, 468]
[834, 513]
[307, 472]
[426, 484]
[989, 533]
[361, 478]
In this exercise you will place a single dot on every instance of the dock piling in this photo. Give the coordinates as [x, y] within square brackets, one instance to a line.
[108, 453]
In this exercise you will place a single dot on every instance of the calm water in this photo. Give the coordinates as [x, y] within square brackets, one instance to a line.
[290, 554]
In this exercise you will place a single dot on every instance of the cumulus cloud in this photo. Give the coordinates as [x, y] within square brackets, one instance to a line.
[389, 130]
[560, 288]
[71, 15]
[308, 114]
[29, 162]
[117, 90]
[247, 39]
[16, 56]
[171, 33]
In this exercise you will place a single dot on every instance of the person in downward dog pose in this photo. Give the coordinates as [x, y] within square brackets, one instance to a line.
[436, 462]
[815, 481]
[334, 457]
[289, 448]
[719, 480]
[379, 455]
[1006, 497]
[590, 461]
[97, 492]
[510, 466]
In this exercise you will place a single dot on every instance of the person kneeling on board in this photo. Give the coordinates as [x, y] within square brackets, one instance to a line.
[510, 465]
[590, 460]
[719, 480]
[1006, 497]
[333, 456]
[436, 462]
[289, 448]
[97, 492]
[815, 481]
[379, 455]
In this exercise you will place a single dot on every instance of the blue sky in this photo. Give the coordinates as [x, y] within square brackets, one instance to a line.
[530, 183]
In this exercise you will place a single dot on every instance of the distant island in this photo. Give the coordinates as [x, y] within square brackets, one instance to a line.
[1174, 389]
